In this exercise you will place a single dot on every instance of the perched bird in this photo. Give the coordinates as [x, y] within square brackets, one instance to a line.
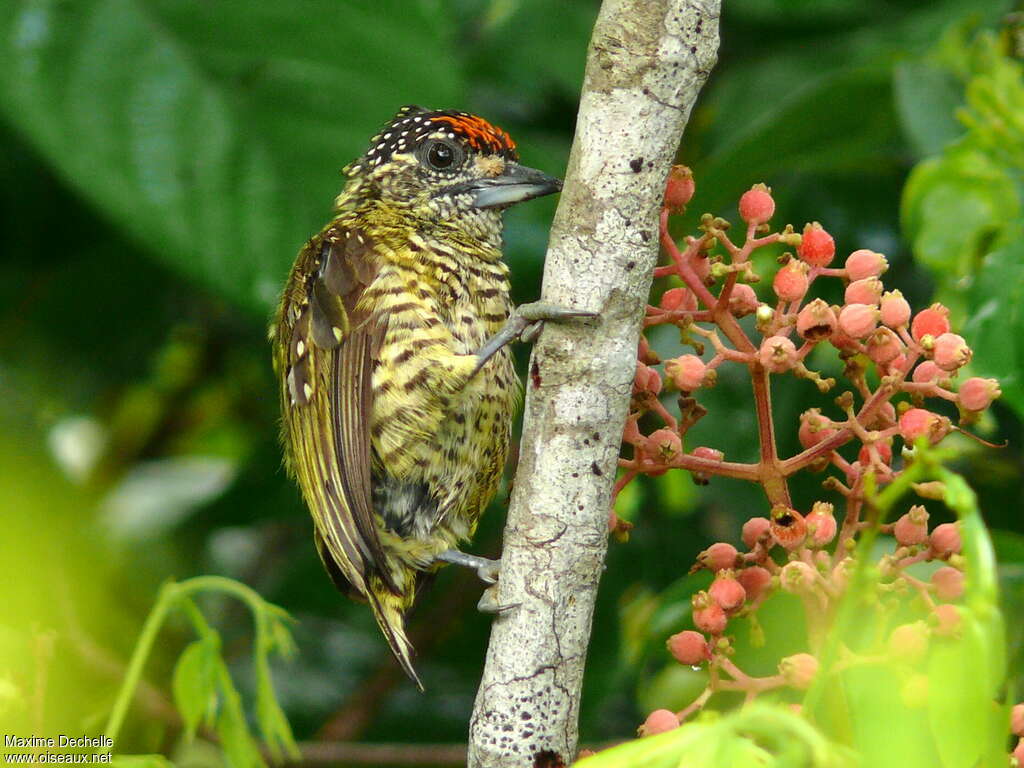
[397, 387]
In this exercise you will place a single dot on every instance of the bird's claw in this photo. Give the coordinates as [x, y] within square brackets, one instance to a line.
[526, 323]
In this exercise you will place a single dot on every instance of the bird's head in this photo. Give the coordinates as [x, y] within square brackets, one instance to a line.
[443, 165]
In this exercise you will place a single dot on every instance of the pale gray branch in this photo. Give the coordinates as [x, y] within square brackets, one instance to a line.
[647, 62]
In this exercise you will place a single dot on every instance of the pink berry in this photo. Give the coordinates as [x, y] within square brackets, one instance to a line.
[1017, 720]
[755, 581]
[777, 354]
[1018, 752]
[927, 372]
[816, 321]
[817, 246]
[945, 540]
[917, 422]
[687, 371]
[814, 428]
[912, 528]
[710, 619]
[742, 300]
[678, 299]
[791, 282]
[646, 380]
[821, 525]
[909, 642]
[947, 619]
[689, 647]
[679, 188]
[977, 394]
[799, 670]
[755, 529]
[895, 309]
[664, 444]
[788, 528]
[858, 320]
[933, 322]
[884, 346]
[700, 264]
[948, 583]
[711, 454]
[865, 263]
[865, 291]
[659, 721]
[798, 578]
[757, 205]
[727, 592]
[951, 352]
[884, 449]
[718, 556]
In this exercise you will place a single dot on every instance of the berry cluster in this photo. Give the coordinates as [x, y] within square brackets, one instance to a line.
[896, 363]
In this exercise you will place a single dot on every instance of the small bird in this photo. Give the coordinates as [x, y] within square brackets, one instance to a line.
[390, 347]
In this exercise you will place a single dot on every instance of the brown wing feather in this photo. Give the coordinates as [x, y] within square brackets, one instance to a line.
[327, 398]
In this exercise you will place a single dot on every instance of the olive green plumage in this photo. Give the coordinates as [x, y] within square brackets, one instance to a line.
[396, 445]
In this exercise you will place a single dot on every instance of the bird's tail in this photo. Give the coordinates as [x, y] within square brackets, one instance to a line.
[389, 610]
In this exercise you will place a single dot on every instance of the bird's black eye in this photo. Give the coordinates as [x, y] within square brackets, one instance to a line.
[441, 156]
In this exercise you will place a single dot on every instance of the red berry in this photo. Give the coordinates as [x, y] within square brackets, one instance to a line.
[755, 580]
[858, 320]
[754, 530]
[865, 263]
[909, 642]
[718, 556]
[791, 282]
[816, 321]
[798, 578]
[951, 352]
[788, 528]
[865, 291]
[799, 670]
[947, 619]
[777, 354]
[948, 583]
[977, 394]
[727, 592]
[687, 371]
[664, 444]
[678, 299]
[926, 372]
[933, 322]
[679, 188]
[710, 619]
[646, 380]
[884, 449]
[1018, 752]
[757, 205]
[742, 300]
[945, 540]
[917, 422]
[711, 454]
[884, 346]
[689, 647]
[895, 309]
[1017, 720]
[821, 525]
[814, 428]
[817, 246]
[659, 721]
[912, 527]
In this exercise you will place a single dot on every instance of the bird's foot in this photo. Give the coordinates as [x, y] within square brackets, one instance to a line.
[488, 571]
[525, 324]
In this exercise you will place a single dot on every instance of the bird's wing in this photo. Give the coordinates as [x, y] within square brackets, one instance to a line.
[325, 369]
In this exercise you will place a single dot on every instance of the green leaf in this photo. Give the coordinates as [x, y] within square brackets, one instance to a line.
[926, 98]
[213, 132]
[195, 683]
[240, 749]
[140, 761]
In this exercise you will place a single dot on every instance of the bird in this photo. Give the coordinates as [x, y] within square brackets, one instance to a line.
[390, 346]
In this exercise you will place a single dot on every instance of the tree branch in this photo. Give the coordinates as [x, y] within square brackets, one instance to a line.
[648, 60]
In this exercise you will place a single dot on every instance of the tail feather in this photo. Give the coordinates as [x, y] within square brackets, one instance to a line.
[389, 610]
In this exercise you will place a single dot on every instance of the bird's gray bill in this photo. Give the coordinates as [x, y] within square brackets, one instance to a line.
[516, 184]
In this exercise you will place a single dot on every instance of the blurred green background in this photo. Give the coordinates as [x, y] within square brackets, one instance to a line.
[163, 161]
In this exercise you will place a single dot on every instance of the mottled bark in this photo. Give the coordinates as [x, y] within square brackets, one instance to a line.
[647, 62]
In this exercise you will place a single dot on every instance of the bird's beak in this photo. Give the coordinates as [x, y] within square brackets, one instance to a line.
[515, 184]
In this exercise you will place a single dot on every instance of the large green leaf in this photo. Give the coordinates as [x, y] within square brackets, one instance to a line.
[213, 132]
